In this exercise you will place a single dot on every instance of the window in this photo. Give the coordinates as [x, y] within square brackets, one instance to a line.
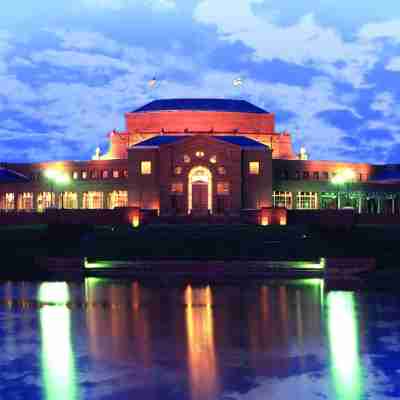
[213, 159]
[254, 167]
[75, 175]
[115, 173]
[282, 199]
[125, 173]
[360, 177]
[93, 174]
[25, 201]
[145, 167]
[44, 200]
[222, 170]
[326, 175]
[307, 200]
[316, 175]
[177, 187]
[93, 200]
[199, 154]
[104, 174]
[84, 174]
[223, 188]
[297, 175]
[178, 170]
[186, 159]
[118, 198]
[306, 175]
[8, 201]
[70, 200]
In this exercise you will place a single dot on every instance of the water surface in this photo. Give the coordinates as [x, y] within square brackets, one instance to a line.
[108, 339]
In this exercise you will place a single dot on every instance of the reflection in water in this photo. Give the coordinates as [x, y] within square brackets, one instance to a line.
[343, 332]
[58, 367]
[117, 324]
[200, 343]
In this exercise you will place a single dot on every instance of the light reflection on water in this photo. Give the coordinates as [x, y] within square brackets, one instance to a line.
[122, 339]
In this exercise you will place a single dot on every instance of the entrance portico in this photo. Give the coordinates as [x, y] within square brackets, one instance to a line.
[200, 190]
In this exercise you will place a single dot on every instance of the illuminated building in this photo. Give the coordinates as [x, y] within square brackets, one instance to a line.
[200, 156]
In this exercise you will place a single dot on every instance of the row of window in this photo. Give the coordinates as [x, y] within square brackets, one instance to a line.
[314, 175]
[223, 188]
[67, 200]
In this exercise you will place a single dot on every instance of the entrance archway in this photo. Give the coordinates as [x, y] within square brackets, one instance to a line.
[200, 190]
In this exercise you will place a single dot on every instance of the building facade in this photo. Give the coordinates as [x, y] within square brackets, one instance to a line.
[200, 156]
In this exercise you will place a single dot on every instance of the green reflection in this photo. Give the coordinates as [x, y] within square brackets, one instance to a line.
[58, 367]
[343, 335]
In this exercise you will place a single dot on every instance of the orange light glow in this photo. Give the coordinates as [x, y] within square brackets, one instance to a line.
[282, 220]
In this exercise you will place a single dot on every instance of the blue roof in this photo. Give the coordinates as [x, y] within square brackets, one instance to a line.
[10, 176]
[390, 175]
[229, 105]
[242, 141]
[159, 140]
[167, 139]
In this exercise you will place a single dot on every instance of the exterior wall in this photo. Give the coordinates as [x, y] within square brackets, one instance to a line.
[257, 189]
[93, 183]
[199, 121]
[144, 190]
[227, 156]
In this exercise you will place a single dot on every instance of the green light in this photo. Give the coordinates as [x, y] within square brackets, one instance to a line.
[343, 336]
[58, 367]
[57, 176]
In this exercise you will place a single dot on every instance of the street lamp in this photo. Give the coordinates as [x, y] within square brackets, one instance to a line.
[57, 178]
[343, 178]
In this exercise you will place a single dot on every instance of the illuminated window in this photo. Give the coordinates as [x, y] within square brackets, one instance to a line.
[316, 175]
[70, 200]
[125, 173]
[178, 170]
[177, 187]
[222, 170]
[104, 174]
[93, 200]
[307, 200]
[115, 173]
[44, 200]
[7, 201]
[145, 167]
[223, 188]
[93, 174]
[84, 174]
[118, 198]
[25, 201]
[199, 154]
[254, 167]
[186, 158]
[213, 159]
[282, 199]
[75, 175]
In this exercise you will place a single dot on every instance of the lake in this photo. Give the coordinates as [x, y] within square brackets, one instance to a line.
[124, 339]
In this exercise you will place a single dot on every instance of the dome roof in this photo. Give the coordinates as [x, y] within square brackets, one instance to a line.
[227, 105]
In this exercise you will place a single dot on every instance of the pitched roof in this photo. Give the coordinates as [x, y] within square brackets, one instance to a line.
[10, 176]
[229, 105]
[241, 141]
[159, 140]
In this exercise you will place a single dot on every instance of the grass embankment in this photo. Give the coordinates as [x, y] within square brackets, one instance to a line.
[204, 242]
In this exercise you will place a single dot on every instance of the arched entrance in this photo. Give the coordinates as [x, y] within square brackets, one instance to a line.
[200, 190]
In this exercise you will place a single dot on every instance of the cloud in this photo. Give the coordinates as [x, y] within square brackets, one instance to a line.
[304, 43]
[385, 103]
[75, 59]
[381, 30]
[393, 64]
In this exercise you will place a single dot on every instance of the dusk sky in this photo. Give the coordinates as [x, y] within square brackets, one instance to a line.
[328, 69]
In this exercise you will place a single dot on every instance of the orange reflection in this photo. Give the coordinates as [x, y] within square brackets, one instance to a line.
[200, 341]
[118, 326]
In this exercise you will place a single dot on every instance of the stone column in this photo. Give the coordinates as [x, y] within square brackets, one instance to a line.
[393, 208]
[360, 199]
[294, 200]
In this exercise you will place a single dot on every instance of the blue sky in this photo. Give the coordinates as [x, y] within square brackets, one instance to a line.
[329, 70]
